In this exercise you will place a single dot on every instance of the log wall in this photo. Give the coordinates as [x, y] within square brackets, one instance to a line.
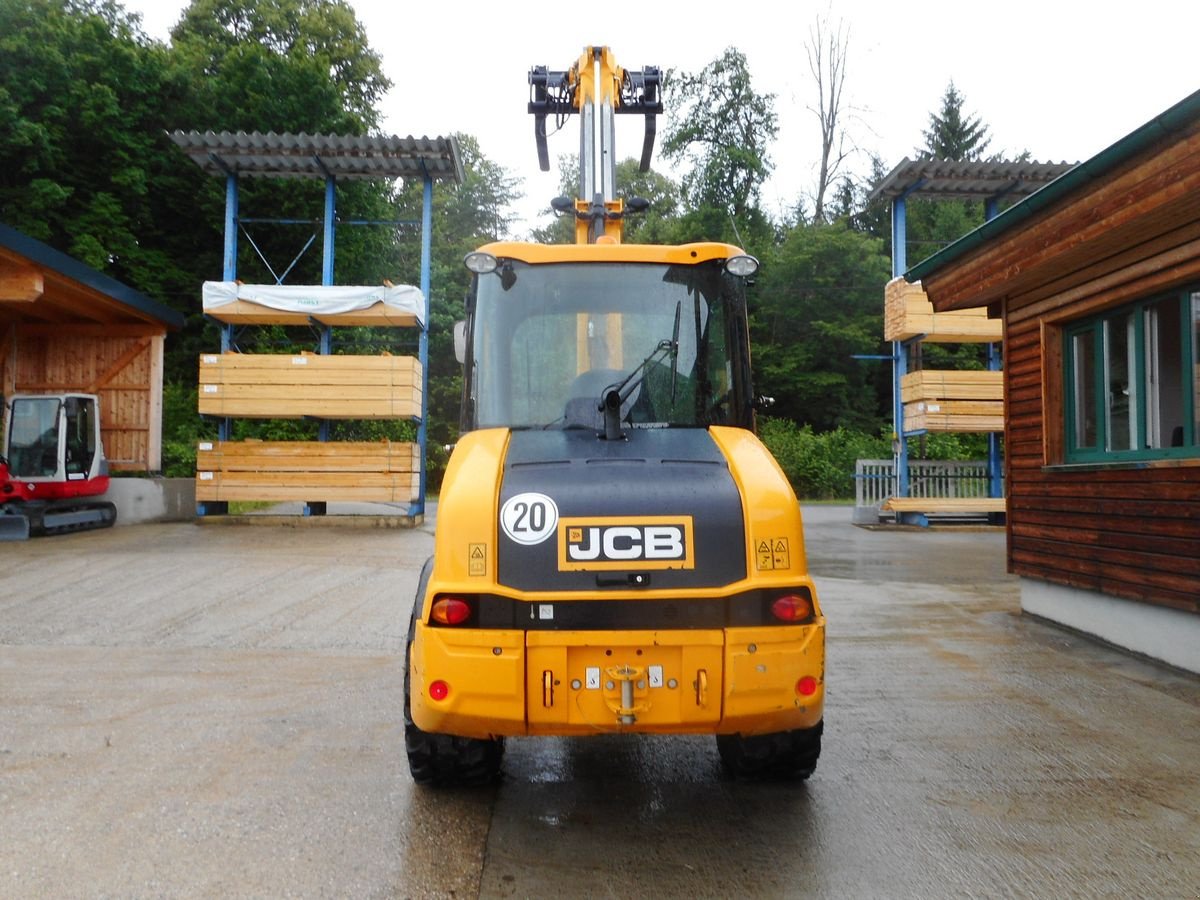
[1131, 531]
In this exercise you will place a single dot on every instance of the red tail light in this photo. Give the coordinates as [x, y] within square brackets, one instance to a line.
[806, 686]
[438, 690]
[791, 608]
[450, 610]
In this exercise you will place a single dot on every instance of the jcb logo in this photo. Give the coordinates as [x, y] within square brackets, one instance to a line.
[642, 542]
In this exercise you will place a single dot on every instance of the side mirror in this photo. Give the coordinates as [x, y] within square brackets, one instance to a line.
[460, 341]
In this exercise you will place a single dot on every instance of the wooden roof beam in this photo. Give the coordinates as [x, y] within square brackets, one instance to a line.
[20, 284]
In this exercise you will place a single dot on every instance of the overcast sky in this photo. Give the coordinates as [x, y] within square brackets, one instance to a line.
[1061, 80]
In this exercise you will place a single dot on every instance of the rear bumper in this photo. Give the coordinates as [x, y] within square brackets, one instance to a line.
[718, 681]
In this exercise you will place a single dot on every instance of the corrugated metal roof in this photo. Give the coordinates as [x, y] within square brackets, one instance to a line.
[272, 155]
[969, 180]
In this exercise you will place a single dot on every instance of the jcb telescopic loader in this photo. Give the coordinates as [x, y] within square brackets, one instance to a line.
[615, 550]
[52, 466]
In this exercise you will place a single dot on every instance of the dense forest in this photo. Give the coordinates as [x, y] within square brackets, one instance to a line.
[87, 100]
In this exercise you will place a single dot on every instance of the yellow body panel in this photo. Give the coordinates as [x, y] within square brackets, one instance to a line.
[486, 674]
[578, 704]
[570, 682]
[732, 680]
[466, 554]
[775, 533]
[762, 666]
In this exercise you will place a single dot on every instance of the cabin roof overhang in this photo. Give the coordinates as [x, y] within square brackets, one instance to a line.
[1137, 198]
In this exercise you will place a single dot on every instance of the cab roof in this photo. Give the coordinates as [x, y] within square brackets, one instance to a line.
[674, 254]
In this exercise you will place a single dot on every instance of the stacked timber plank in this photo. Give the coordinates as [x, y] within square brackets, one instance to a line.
[345, 471]
[954, 505]
[908, 314]
[947, 400]
[310, 386]
[943, 401]
[247, 385]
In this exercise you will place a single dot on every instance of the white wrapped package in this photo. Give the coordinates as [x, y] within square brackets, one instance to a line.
[316, 300]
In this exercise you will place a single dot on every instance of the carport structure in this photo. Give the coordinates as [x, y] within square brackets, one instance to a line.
[946, 401]
[329, 158]
[65, 326]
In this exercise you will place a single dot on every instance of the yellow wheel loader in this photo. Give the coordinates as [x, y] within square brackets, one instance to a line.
[615, 550]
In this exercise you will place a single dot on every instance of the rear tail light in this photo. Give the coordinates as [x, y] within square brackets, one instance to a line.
[438, 690]
[450, 611]
[806, 686]
[792, 608]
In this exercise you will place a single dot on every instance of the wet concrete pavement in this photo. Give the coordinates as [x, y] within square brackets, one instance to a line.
[208, 711]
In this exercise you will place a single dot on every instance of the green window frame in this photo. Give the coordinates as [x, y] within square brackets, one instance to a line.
[1132, 387]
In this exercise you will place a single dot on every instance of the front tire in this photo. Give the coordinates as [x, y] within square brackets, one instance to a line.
[781, 756]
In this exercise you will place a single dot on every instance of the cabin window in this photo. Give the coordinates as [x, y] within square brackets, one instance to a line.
[1133, 386]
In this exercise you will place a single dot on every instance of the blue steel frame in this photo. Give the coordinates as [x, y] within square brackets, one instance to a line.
[229, 273]
[900, 365]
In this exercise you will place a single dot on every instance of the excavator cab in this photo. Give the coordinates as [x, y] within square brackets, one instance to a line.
[52, 457]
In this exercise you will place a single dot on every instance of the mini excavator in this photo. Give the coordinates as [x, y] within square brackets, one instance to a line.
[52, 467]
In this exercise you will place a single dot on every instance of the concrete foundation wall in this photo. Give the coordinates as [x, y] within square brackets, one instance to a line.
[1169, 635]
[152, 499]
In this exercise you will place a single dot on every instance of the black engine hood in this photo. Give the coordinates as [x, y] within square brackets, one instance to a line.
[658, 509]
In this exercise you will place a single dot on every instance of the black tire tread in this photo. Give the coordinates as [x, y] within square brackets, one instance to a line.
[445, 760]
[779, 756]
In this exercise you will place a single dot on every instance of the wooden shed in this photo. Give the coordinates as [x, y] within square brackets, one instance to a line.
[1096, 279]
[66, 327]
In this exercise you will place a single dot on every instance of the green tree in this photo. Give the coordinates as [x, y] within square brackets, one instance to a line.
[657, 224]
[464, 217]
[85, 101]
[816, 305]
[721, 129]
[936, 223]
[81, 96]
[287, 66]
[281, 65]
[952, 134]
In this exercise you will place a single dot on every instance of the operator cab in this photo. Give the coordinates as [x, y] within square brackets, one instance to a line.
[550, 344]
[52, 437]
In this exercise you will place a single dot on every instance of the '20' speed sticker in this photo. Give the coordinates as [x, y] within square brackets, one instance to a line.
[529, 518]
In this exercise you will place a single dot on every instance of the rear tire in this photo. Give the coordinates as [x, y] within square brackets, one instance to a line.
[443, 760]
[781, 756]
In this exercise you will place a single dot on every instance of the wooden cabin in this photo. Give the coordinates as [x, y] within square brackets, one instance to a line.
[66, 327]
[1096, 281]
